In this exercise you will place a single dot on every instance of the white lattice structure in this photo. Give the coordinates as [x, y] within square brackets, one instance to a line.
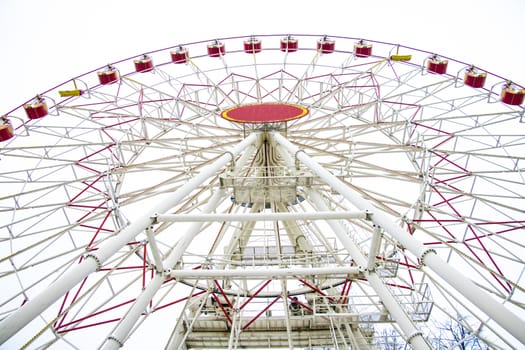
[269, 192]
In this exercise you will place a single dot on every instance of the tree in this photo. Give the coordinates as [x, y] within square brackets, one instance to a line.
[451, 335]
[454, 335]
[389, 339]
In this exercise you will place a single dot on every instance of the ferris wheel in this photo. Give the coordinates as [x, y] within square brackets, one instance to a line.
[272, 191]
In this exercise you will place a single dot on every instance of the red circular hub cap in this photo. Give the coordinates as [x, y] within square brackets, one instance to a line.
[264, 113]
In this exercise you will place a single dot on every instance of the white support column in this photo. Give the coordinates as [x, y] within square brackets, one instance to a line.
[409, 329]
[414, 337]
[286, 303]
[411, 332]
[94, 260]
[484, 301]
[120, 334]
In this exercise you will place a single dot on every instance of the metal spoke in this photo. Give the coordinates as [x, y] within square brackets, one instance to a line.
[152, 206]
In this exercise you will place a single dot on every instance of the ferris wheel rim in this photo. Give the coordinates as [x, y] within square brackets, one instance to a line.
[445, 186]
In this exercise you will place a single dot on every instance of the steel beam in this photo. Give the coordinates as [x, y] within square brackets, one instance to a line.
[484, 301]
[265, 273]
[320, 215]
[409, 329]
[121, 332]
[94, 260]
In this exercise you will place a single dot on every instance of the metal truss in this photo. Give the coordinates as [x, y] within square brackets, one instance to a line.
[132, 213]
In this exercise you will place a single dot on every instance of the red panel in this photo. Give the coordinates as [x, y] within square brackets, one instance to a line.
[179, 56]
[363, 50]
[475, 80]
[512, 96]
[252, 46]
[264, 113]
[143, 65]
[36, 110]
[326, 46]
[107, 76]
[437, 66]
[6, 132]
[216, 49]
[289, 44]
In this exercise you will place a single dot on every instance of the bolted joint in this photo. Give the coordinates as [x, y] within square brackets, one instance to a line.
[412, 336]
[154, 220]
[296, 154]
[296, 157]
[425, 253]
[232, 157]
[119, 342]
[94, 257]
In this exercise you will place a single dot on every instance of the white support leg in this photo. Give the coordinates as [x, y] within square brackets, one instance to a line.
[286, 303]
[121, 332]
[484, 301]
[410, 331]
[94, 260]
[118, 337]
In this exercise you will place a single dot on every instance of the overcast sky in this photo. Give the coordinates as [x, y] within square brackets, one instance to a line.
[46, 42]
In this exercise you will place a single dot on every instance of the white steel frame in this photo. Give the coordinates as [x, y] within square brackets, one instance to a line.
[134, 214]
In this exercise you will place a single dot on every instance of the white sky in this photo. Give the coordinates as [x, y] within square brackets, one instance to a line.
[46, 42]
